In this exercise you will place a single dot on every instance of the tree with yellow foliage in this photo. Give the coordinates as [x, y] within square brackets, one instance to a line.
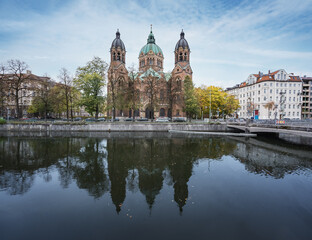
[216, 99]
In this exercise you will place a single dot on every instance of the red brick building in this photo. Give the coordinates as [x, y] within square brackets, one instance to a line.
[158, 94]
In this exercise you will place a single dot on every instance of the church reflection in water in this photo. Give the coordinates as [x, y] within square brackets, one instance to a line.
[116, 165]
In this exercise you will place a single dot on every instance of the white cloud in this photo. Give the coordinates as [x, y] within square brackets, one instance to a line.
[226, 44]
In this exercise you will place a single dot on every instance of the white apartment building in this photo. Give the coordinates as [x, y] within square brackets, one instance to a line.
[275, 95]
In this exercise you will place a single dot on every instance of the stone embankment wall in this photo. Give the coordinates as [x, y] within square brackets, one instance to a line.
[113, 127]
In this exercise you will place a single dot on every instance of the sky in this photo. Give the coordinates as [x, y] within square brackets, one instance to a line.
[229, 39]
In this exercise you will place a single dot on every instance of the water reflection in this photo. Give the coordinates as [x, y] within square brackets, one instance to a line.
[116, 165]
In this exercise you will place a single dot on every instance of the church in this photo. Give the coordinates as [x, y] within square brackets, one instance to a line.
[155, 93]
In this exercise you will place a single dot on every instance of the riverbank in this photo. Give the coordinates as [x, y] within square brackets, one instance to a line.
[115, 127]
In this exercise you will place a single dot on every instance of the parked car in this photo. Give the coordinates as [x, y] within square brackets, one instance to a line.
[179, 119]
[162, 119]
[90, 120]
[128, 120]
[77, 119]
[142, 119]
[114, 120]
[101, 119]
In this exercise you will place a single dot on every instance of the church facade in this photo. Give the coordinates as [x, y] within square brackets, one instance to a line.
[148, 92]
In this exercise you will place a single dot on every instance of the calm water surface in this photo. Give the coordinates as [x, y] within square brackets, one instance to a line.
[119, 187]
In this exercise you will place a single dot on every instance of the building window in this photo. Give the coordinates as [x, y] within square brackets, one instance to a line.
[162, 94]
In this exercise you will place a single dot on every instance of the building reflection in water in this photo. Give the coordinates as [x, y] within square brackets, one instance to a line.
[117, 165]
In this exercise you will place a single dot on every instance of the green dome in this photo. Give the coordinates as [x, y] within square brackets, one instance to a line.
[151, 45]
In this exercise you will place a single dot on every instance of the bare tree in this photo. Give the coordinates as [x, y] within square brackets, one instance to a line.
[173, 90]
[133, 94]
[151, 89]
[17, 82]
[269, 106]
[66, 85]
[3, 88]
[116, 93]
[112, 92]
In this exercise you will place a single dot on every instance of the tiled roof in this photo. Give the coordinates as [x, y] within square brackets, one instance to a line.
[243, 84]
[294, 79]
[265, 78]
[273, 73]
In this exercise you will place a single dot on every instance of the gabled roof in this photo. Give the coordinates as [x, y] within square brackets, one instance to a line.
[150, 72]
[273, 73]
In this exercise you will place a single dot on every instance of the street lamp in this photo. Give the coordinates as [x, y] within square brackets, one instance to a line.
[210, 105]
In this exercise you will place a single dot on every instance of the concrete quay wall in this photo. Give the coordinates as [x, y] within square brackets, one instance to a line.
[113, 127]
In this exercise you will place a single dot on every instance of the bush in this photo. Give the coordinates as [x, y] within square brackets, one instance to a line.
[2, 121]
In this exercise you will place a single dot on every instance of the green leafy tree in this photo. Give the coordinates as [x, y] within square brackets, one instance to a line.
[42, 102]
[90, 80]
[190, 99]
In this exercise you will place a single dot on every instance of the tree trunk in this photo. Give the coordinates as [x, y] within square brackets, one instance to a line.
[17, 105]
[97, 111]
[71, 112]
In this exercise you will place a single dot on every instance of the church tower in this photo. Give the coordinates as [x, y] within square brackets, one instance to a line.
[117, 73]
[182, 59]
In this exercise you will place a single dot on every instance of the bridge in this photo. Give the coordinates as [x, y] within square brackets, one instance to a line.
[303, 130]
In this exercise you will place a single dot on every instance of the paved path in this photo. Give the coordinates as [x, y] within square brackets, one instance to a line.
[216, 133]
[271, 130]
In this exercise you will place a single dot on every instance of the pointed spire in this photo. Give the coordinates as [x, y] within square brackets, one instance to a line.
[182, 34]
[151, 38]
[117, 33]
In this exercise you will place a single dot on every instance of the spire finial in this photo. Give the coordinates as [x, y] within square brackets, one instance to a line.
[151, 27]
[182, 34]
[117, 33]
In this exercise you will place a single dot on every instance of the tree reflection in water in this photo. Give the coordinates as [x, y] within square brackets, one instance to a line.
[115, 165]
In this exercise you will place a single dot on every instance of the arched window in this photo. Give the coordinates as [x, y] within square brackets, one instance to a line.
[179, 84]
[162, 112]
[114, 56]
[181, 57]
[118, 56]
[123, 58]
[162, 94]
[185, 56]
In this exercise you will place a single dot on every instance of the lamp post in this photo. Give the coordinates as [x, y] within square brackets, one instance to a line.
[210, 105]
